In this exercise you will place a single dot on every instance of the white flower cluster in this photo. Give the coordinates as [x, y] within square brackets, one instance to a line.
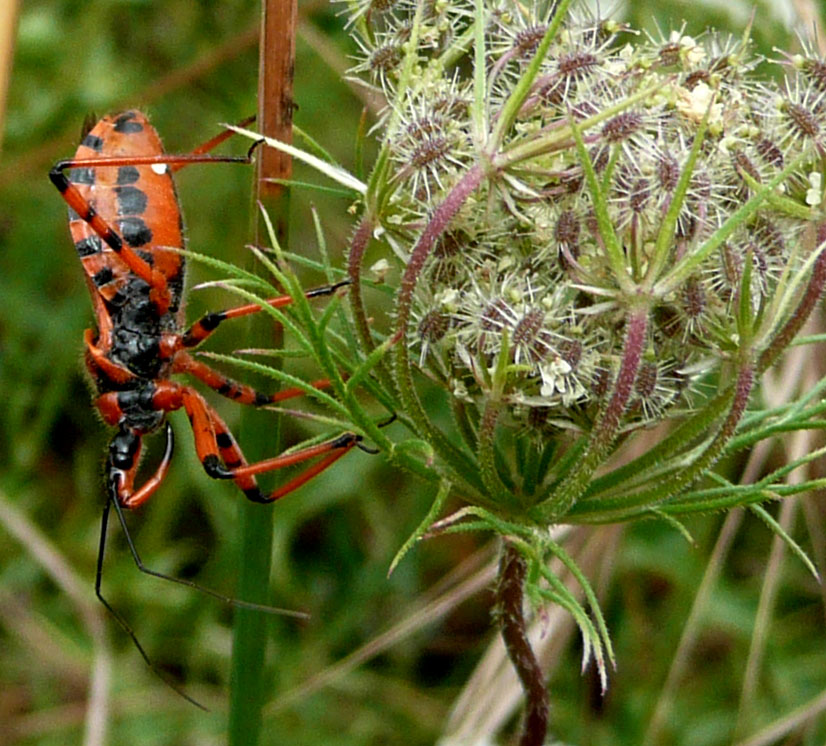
[525, 261]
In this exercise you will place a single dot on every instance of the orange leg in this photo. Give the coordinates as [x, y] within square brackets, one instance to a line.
[214, 444]
[122, 466]
[336, 448]
[207, 324]
[97, 360]
[213, 143]
[239, 392]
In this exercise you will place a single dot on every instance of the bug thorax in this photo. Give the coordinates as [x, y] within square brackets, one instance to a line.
[136, 330]
[139, 412]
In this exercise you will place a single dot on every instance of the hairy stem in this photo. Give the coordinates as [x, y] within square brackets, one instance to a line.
[358, 245]
[804, 309]
[509, 600]
[439, 222]
[664, 490]
[606, 427]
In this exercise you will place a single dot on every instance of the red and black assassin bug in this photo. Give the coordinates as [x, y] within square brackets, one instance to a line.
[125, 222]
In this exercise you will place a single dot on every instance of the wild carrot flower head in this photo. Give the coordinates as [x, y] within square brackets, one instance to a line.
[541, 264]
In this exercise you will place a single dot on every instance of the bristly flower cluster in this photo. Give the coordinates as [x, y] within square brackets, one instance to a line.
[525, 262]
[592, 231]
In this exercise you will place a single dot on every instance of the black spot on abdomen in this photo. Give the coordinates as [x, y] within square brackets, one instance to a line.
[93, 141]
[128, 175]
[103, 277]
[125, 124]
[89, 246]
[131, 200]
[134, 231]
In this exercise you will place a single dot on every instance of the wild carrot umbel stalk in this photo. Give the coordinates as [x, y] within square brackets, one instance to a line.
[510, 599]
[584, 233]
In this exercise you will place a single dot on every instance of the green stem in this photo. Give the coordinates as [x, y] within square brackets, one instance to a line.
[249, 642]
[262, 434]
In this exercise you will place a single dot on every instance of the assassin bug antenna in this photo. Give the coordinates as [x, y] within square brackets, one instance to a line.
[118, 617]
[126, 225]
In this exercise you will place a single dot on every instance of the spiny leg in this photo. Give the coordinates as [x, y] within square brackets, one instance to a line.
[208, 323]
[213, 437]
[239, 392]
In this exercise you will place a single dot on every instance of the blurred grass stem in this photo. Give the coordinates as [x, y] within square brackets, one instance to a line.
[65, 577]
[248, 680]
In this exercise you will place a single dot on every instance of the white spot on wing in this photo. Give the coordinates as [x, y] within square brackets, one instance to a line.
[159, 168]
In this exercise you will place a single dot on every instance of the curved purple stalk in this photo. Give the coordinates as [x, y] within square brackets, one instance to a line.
[804, 309]
[509, 600]
[608, 423]
[437, 225]
[605, 429]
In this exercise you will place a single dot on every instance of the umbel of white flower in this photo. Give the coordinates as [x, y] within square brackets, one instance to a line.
[584, 231]
[595, 230]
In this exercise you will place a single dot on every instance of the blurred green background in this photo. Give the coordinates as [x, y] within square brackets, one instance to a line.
[192, 65]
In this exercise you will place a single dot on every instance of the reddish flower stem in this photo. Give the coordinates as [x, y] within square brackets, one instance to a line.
[605, 429]
[509, 597]
[804, 309]
[608, 423]
[442, 216]
[437, 225]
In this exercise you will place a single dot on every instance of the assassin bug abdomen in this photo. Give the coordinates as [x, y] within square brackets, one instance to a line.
[140, 204]
[126, 226]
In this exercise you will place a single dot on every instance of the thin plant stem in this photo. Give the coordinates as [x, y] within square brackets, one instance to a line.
[8, 31]
[248, 674]
[55, 565]
[510, 599]
[800, 445]
[692, 627]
